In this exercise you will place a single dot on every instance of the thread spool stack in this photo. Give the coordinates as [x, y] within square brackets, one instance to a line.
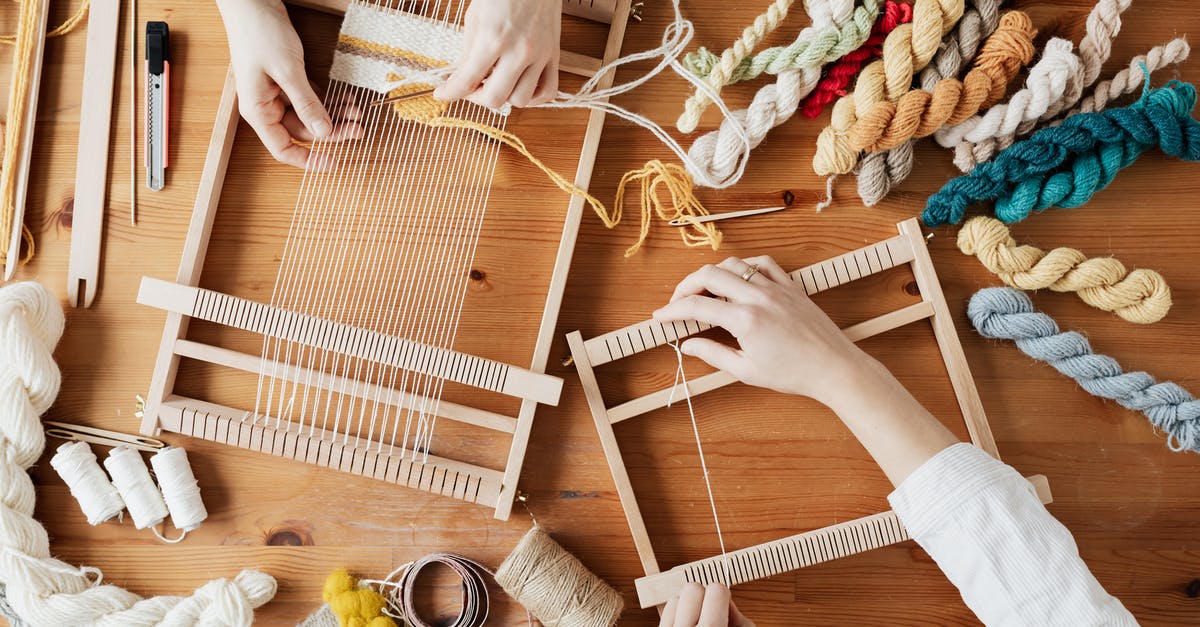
[132, 480]
[553, 584]
[76, 464]
[179, 488]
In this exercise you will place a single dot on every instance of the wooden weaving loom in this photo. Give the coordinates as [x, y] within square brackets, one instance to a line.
[349, 351]
[810, 547]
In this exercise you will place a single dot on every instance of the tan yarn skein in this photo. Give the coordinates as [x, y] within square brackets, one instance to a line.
[907, 50]
[555, 586]
[1140, 296]
[919, 113]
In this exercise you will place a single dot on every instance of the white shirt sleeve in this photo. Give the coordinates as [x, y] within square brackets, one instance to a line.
[1013, 563]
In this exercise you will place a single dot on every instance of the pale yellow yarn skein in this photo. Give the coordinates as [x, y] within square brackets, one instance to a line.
[907, 50]
[555, 586]
[1140, 296]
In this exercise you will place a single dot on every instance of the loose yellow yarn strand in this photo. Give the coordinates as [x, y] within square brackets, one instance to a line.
[14, 127]
[683, 204]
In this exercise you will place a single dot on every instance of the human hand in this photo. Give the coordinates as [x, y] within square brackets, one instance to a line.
[511, 54]
[711, 607]
[274, 94]
[786, 343]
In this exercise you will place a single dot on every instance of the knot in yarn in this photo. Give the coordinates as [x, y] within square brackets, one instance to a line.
[1005, 313]
[1141, 296]
[354, 605]
[1161, 117]
[919, 112]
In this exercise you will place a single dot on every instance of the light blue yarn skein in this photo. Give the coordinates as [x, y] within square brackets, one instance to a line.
[1006, 313]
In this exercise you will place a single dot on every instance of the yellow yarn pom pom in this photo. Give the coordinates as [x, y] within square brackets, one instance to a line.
[353, 605]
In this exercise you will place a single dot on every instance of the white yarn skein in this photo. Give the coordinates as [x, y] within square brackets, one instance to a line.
[179, 488]
[132, 479]
[43, 590]
[97, 497]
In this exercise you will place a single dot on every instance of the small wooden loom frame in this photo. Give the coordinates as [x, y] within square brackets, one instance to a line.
[811, 547]
[183, 300]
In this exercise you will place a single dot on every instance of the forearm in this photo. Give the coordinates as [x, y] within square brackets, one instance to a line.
[898, 432]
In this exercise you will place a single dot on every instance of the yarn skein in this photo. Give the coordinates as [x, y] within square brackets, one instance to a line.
[919, 112]
[1161, 116]
[839, 75]
[354, 605]
[719, 75]
[553, 584]
[132, 480]
[907, 50]
[98, 498]
[717, 156]
[1141, 296]
[43, 590]
[879, 172]
[1006, 313]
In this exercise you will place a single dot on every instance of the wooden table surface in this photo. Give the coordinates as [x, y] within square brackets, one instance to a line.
[778, 465]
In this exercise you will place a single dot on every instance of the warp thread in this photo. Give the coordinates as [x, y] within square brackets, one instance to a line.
[907, 50]
[1141, 296]
[137, 490]
[24, 49]
[98, 498]
[720, 73]
[919, 112]
[1092, 146]
[683, 204]
[44, 590]
[879, 172]
[840, 73]
[555, 586]
[717, 157]
[1102, 25]
[1006, 313]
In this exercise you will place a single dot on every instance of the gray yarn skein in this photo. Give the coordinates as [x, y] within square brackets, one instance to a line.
[879, 172]
[1007, 313]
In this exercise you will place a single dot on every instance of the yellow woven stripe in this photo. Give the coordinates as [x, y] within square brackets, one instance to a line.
[372, 49]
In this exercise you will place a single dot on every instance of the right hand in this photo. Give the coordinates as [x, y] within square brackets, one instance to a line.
[274, 94]
[711, 607]
[786, 343]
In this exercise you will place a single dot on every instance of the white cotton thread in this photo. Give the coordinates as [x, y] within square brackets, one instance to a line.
[97, 497]
[132, 480]
[179, 488]
[681, 377]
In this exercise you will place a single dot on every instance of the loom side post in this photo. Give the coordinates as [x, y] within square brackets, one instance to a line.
[191, 263]
[562, 265]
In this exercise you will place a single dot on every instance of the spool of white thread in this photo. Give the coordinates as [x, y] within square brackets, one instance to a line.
[132, 479]
[179, 488]
[76, 464]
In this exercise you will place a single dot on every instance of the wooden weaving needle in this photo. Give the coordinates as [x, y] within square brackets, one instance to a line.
[724, 216]
[415, 94]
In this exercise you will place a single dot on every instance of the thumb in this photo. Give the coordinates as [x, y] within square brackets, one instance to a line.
[305, 103]
[715, 354]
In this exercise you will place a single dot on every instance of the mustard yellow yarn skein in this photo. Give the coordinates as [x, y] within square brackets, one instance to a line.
[1140, 296]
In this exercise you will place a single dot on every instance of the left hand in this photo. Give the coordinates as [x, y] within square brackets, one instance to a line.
[511, 55]
[710, 607]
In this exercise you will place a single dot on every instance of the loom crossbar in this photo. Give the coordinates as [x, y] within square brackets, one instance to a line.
[810, 547]
[202, 304]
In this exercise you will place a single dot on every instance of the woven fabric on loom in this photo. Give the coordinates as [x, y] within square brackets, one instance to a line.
[379, 47]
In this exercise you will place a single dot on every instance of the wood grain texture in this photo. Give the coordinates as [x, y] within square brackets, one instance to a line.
[778, 465]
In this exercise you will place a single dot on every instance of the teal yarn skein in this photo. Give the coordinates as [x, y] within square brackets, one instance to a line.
[1065, 165]
[1007, 313]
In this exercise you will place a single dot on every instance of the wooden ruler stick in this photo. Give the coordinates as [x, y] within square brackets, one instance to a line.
[787, 554]
[91, 166]
[349, 340]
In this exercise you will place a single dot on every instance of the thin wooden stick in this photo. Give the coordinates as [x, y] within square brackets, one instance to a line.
[13, 258]
[91, 166]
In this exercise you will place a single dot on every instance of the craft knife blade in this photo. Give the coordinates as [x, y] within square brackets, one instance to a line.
[158, 81]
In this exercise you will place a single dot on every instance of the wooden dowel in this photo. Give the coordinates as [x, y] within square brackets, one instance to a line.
[13, 258]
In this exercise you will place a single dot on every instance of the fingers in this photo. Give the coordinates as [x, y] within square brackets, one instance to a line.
[703, 309]
[547, 84]
[724, 280]
[736, 618]
[687, 612]
[522, 94]
[341, 131]
[304, 101]
[768, 267]
[499, 86]
[715, 354]
[668, 615]
[715, 610]
[469, 75]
